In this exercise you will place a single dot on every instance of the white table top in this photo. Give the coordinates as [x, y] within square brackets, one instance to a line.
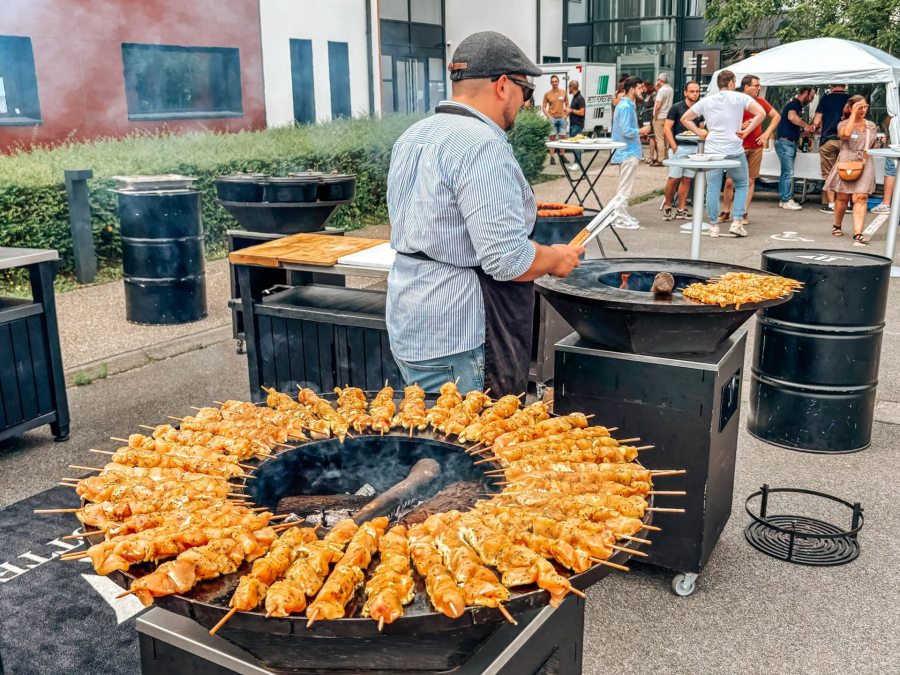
[702, 166]
[688, 138]
[885, 152]
[20, 257]
[585, 147]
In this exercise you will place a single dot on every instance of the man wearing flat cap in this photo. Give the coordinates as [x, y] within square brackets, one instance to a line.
[460, 293]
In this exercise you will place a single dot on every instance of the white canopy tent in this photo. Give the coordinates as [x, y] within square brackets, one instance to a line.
[825, 61]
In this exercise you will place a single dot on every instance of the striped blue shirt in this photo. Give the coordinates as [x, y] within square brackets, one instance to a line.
[457, 194]
[626, 130]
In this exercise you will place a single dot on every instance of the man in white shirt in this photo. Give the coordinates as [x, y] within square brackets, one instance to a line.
[665, 97]
[724, 115]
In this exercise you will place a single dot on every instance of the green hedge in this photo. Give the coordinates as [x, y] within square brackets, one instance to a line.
[34, 209]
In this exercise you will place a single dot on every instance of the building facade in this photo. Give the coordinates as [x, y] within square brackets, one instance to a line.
[82, 69]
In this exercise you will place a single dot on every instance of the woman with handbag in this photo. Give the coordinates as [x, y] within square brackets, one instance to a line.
[853, 176]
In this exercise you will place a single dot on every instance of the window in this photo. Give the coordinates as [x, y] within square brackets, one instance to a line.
[696, 7]
[578, 11]
[19, 104]
[435, 82]
[302, 83]
[171, 82]
[398, 10]
[425, 11]
[339, 75]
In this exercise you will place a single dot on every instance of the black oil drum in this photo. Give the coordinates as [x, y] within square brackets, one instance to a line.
[162, 256]
[816, 357]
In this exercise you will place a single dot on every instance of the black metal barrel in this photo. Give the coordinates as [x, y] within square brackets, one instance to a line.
[162, 256]
[816, 357]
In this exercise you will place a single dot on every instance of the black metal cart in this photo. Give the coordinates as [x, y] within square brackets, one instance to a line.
[32, 383]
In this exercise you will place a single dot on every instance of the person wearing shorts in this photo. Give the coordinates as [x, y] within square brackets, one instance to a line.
[754, 145]
[555, 103]
[680, 179]
[890, 174]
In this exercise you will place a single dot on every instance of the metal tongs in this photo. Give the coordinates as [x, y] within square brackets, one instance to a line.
[601, 221]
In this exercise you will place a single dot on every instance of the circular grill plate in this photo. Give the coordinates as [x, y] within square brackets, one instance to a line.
[823, 552]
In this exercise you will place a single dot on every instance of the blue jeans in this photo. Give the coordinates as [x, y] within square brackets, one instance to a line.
[890, 167]
[431, 374]
[574, 130]
[741, 179]
[786, 151]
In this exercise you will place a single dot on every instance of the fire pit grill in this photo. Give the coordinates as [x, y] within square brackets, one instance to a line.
[609, 302]
[328, 467]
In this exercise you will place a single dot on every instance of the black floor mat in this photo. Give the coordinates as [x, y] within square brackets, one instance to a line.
[58, 618]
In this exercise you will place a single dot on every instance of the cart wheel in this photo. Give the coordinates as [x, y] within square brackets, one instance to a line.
[239, 346]
[684, 585]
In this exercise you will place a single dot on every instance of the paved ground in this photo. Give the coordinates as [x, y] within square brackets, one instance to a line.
[751, 614]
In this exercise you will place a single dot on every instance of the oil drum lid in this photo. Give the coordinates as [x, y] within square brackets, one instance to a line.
[825, 257]
[295, 179]
[243, 178]
[339, 178]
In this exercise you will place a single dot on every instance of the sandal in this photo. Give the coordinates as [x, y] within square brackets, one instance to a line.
[836, 231]
[859, 239]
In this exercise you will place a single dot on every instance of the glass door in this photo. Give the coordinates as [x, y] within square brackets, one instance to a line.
[411, 85]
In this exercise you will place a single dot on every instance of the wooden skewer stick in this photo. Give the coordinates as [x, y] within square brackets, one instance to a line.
[609, 564]
[505, 612]
[471, 448]
[645, 447]
[249, 467]
[522, 395]
[177, 419]
[71, 485]
[627, 440]
[312, 617]
[410, 430]
[630, 538]
[218, 402]
[85, 468]
[483, 461]
[656, 474]
[652, 528]
[262, 508]
[281, 517]
[574, 590]
[222, 622]
[629, 550]
[120, 440]
[193, 407]
[236, 494]
[79, 536]
[667, 492]
[122, 595]
[381, 620]
[102, 452]
[81, 556]
[57, 510]
[246, 475]
[480, 452]
[270, 391]
[659, 510]
[503, 484]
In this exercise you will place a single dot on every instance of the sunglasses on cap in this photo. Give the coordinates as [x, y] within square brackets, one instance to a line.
[528, 85]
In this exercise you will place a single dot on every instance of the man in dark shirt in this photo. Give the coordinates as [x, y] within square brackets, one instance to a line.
[787, 138]
[576, 118]
[828, 114]
[680, 178]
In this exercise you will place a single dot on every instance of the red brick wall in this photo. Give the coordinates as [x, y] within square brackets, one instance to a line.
[78, 59]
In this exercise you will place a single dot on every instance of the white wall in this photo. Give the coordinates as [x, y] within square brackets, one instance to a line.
[321, 21]
[516, 19]
[551, 28]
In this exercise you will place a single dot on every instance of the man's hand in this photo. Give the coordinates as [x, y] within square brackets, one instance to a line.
[702, 133]
[566, 259]
[741, 134]
[645, 130]
[763, 140]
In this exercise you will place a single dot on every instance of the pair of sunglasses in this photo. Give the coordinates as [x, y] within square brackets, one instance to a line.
[528, 86]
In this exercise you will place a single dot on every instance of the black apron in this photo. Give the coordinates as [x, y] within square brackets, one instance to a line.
[508, 317]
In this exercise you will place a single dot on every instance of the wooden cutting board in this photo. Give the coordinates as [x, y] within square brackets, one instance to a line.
[302, 249]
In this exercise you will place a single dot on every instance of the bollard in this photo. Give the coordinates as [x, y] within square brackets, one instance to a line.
[80, 224]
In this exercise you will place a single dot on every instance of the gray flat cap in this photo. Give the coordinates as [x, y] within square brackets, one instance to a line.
[489, 54]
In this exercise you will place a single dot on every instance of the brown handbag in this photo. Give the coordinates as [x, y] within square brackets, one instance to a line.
[851, 171]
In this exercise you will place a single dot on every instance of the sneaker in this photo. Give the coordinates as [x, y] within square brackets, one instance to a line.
[790, 205]
[827, 208]
[667, 214]
[684, 214]
[714, 231]
[881, 208]
[552, 159]
[737, 227]
[626, 223]
[573, 167]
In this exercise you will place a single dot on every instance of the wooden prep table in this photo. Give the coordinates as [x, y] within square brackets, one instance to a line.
[314, 335]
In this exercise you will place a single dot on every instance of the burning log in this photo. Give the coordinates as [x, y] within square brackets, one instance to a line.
[423, 473]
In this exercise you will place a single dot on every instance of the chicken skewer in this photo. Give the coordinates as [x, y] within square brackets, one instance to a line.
[391, 586]
[337, 424]
[518, 421]
[542, 429]
[120, 553]
[620, 526]
[255, 417]
[603, 471]
[222, 556]
[348, 574]
[352, 406]
[445, 595]
[412, 410]
[587, 433]
[382, 409]
[175, 460]
[503, 408]
[101, 513]
[578, 487]
[317, 428]
[141, 442]
[308, 572]
[596, 450]
[242, 448]
[252, 588]
[267, 434]
[445, 405]
[466, 413]
[114, 487]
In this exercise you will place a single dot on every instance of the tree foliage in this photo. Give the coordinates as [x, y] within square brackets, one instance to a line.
[754, 23]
